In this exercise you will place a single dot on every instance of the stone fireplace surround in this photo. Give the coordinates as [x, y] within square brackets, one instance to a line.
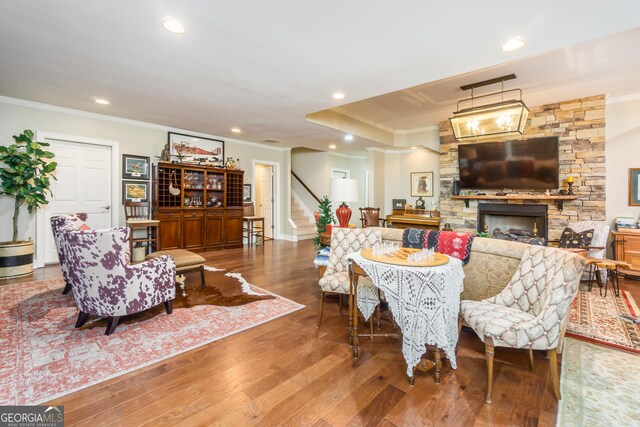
[580, 125]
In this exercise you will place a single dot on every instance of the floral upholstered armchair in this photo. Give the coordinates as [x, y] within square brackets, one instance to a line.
[104, 284]
[72, 222]
[335, 279]
[532, 311]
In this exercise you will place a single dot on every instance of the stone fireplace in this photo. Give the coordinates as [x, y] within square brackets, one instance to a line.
[580, 125]
[528, 218]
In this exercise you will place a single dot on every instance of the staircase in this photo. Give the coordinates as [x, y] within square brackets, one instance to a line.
[306, 227]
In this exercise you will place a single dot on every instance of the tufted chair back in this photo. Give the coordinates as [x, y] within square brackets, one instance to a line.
[544, 284]
[103, 283]
[347, 240]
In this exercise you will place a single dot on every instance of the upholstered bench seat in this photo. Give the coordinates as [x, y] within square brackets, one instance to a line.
[185, 261]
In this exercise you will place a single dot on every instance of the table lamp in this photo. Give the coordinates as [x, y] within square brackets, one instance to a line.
[343, 190]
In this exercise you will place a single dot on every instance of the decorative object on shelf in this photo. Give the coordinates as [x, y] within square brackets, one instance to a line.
[135, 167]
[165, 154]
[135, 191]
[421, 184]
[343, 190]
[246, 192]
[634, 187]
[420, 203]
[173, 190]
[25, 177]
[570, 182]
[496, 116]
[203, 150]
[447, 227]
[398, 203]
[323, 222]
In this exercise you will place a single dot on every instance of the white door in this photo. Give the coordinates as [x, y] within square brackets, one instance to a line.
[264, 196]
[83, 185]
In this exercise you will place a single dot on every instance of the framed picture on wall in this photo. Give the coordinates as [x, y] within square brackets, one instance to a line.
[634, 187]
[189, 148]
[398, 203]
[135, 167]
[246, 192]
[421, 184]
[135, 191]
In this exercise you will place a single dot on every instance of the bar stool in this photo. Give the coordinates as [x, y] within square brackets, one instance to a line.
[252, 224]
[137, 215]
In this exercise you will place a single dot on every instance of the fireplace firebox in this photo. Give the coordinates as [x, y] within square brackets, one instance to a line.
[529, 218]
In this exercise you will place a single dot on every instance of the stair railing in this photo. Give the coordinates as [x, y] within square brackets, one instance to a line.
[305, 187]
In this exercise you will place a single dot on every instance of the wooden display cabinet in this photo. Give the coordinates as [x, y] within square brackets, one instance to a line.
[199, 208]
[627, 248]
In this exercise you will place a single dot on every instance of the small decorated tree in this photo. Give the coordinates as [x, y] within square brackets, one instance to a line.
[325, 217]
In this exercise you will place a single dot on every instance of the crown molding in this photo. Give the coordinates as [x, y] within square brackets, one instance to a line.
[346, 155]
[623, 98]
[417, 130]
[376, 149]
[121, 120]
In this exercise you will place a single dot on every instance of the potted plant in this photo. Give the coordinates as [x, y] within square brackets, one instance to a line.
[25, 176]
[324, 218]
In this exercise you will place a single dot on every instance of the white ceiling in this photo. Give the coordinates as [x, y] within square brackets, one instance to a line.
[263, 66]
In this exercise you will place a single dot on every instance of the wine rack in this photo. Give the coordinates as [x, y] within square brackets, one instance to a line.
[234, 189]
[169, 181]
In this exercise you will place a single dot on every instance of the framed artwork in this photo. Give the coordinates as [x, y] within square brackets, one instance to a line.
[634, 187]
[196, 149]
[398, 203]
[421, 184]
[246, 192]
[135, 167]
[135, 191]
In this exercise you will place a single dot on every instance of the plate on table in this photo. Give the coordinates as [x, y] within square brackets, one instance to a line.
[400, 257]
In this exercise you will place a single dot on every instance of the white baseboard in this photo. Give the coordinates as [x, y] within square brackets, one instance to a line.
[288, 237]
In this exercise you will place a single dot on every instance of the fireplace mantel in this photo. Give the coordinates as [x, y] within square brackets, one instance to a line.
[558, 200]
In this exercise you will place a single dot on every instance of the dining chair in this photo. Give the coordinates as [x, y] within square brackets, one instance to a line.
[138, 216]
[370, 217]
[335, 279]
[532, 311]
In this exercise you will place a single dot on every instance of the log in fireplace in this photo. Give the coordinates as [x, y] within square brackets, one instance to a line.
[531, 219]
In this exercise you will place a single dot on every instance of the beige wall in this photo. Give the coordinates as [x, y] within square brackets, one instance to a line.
[133, 138]
[397, 172]
[622, 153]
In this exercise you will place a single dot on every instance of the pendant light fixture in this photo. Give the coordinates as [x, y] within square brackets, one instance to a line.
[491, 118]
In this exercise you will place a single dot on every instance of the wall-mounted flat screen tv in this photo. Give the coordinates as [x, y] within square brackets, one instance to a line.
[530, 164]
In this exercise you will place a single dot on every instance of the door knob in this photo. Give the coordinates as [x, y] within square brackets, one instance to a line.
[106, 207]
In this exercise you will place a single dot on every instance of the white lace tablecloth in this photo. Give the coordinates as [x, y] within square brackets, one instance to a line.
[424, 301]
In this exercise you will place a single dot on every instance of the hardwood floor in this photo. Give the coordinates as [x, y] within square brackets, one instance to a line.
[288, 372]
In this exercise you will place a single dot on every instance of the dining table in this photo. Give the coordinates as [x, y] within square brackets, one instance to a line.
[423, 298]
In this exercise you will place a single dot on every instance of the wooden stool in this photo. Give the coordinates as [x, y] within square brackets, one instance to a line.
[252, 224]
[185, 261]
[612, 273]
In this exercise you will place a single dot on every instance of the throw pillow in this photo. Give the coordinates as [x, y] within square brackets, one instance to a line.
[573, 239]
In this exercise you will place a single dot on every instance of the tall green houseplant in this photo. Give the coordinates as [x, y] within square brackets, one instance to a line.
[325, 217]
[26, 174]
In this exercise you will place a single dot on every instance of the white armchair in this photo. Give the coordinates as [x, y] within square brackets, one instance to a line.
[532, 311]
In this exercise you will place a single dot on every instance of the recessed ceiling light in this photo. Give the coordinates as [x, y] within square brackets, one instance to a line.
[348, 137]
[332, 146]
[514, 44]
[413, 148]
[338, 95]
[174, 26]
[236, 130]
[101, 101]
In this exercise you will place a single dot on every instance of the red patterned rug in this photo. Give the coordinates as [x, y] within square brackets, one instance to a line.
[596, 319]
[42, 355]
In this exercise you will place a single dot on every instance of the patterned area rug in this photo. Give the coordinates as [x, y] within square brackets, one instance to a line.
[42, 355]
[596, 319]
[599, 386]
